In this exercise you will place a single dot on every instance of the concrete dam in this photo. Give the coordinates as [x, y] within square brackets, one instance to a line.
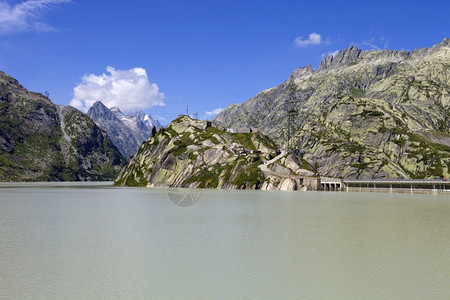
[413, 186]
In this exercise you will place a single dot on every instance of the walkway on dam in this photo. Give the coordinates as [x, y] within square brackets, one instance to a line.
[398, 185]
[433, 186]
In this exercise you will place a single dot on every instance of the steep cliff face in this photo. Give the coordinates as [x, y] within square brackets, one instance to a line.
[41, 141]
[127, 132]
[190, 153]
[373, 114]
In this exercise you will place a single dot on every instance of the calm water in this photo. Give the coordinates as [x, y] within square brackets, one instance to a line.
[102, 242]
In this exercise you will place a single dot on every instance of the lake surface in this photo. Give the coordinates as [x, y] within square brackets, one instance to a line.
[96, 241]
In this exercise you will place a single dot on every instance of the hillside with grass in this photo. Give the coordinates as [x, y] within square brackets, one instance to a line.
[193, 153]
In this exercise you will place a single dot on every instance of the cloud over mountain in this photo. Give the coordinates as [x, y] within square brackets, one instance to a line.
[313, 39]
[214, 112]
[127, 89]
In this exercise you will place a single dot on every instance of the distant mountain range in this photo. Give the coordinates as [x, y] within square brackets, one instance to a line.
[127, 132]
[42, 141]
[361, 114]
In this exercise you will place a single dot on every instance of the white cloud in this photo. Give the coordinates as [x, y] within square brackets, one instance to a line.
[373, 43]
[26, 16]
[313, 39]
[127, 89]
[370, 43]
[334, 53]
[214, 112]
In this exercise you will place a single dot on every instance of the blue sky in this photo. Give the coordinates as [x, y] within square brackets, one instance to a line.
[201, 54]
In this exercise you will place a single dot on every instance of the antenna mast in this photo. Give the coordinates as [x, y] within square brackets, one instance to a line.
[292, 115]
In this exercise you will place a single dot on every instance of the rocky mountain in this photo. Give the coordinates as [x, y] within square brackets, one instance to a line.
[41, 141]
[127, 132]
[361, 114]
[192, 153]
[148, 120]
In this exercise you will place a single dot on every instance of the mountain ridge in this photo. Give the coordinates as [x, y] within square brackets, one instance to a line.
[42, 141]
[127, 132]
[361, 114]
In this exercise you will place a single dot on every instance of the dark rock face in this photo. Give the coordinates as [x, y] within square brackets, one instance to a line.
[99, 111]
[127, 132]
[121, 135]
[341, 59]
[362, 114]
[41, 141]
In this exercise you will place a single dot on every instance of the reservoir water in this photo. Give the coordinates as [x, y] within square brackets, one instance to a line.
[96, 241]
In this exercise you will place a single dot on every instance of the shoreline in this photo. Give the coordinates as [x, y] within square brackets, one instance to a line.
[443, 190]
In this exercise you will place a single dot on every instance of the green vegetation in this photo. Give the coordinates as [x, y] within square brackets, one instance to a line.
[371, 113]
[358, 93]
[361, 166]
[305, 165]
[7, 163]
[245, 139]
[137, 179]
[206, 178]
[179, 150]
[251, 176]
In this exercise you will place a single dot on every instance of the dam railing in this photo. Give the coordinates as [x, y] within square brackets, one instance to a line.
[434, 186]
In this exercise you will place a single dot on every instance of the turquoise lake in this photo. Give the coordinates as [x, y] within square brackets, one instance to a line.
[97, 241]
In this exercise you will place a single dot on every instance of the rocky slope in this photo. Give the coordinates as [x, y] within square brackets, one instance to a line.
[191, 153]
[127, 132]
[361, 114]
[41, 141]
